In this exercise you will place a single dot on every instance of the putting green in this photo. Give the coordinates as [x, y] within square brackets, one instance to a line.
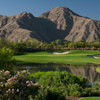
[74, 57]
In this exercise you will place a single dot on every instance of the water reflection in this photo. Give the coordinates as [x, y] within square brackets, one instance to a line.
[88, 71]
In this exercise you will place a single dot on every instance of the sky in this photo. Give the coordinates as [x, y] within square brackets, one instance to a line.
[87, 8]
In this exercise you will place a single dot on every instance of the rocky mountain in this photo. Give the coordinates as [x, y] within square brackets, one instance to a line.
[59, 23]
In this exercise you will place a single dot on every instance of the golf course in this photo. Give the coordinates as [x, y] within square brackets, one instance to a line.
[73, 57]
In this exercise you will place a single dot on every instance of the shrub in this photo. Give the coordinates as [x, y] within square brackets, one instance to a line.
[18, 86]
[59, 84]
[6, 55]
[75, 90]
[57, 78]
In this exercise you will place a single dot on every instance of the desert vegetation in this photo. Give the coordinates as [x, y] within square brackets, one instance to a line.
[35, 45]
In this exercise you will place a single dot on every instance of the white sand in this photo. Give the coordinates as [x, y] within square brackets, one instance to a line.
[57, 53]
[96, 57]
[93, 57]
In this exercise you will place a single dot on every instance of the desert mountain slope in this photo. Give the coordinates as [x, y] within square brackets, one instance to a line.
[75, 27]
[59, 23]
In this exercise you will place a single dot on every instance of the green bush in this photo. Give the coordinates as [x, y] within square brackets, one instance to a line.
[6, 55]
[75, 90]
[57, 78]
[59, 84]
[87, 92]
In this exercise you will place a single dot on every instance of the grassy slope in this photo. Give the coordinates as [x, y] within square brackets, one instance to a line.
[90, 98]
[75, 57]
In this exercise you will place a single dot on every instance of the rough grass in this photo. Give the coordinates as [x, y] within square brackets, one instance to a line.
[75, 57]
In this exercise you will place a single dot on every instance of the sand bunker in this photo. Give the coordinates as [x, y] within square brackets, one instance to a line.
[58, 53]
[94, 56]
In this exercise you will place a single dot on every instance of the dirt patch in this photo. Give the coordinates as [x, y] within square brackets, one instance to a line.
[72, 98]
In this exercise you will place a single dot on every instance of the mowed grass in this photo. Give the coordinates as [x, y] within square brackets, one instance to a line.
[74, 57]
[90, 98]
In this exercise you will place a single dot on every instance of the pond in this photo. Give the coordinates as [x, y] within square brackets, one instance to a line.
[87, 71]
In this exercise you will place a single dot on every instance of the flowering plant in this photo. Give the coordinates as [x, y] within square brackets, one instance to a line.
[18, 86]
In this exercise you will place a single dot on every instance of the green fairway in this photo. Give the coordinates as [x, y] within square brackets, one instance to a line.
[90, 98]
[74, 57]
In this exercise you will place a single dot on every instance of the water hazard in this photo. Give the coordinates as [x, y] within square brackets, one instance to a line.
[87, 71]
